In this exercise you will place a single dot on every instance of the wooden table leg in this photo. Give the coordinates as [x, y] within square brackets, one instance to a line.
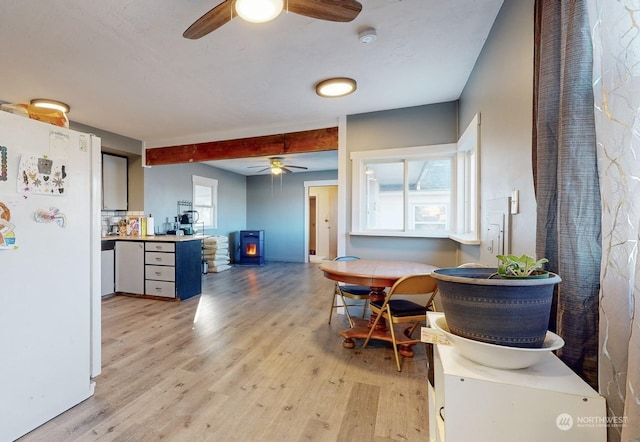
[361, 328]
[377, 294]
[406, 350]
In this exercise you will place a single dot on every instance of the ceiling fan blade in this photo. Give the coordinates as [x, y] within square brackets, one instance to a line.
[330, 10]
[262, 170]
[284, 169]
[212, 20]
[295, 167]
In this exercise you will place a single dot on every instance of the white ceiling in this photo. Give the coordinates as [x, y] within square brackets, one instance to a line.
[124, 66]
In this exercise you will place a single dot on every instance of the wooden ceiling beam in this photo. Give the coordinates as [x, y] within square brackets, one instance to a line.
[317, 140]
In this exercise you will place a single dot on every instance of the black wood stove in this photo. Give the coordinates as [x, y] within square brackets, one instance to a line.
[251, 247]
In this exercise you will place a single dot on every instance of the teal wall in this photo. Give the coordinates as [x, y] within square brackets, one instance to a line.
[165, 185]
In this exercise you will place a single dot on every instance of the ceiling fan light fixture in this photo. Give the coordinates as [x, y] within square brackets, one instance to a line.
[50, 104]
[259, 11]
[336, 87]
[275, 170]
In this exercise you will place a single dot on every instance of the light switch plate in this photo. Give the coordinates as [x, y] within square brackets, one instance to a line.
[515, 202]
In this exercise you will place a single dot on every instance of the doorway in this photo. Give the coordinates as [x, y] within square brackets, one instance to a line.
[321, 222]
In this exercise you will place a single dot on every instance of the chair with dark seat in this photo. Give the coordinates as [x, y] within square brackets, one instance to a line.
[349, 291]
[397, 309]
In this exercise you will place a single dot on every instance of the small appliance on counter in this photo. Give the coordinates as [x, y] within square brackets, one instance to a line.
[189, 217]
[114, 222]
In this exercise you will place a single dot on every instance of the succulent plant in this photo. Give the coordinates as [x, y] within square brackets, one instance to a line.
[520, 267]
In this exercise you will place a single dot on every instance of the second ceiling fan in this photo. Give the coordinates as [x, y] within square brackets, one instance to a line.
[329, 10]
[277, 166]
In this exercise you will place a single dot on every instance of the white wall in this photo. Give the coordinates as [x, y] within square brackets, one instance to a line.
[501, 90]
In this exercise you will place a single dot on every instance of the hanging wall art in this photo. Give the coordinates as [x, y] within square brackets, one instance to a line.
[7, 236]
[53, 214]
[3, 163]
[42, 175]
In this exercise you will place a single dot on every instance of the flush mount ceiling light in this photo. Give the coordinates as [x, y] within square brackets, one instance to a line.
[367, 35]
[50, 104]
[259, 11]
[336, 87]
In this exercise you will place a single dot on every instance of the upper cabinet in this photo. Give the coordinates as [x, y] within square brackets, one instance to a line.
[114, 182]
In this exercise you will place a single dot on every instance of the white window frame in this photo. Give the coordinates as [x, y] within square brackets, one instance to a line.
[468, 193]
[465, 189]
[213, 184]
[361, 158]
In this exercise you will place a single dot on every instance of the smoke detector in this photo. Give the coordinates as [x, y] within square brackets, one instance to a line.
[367, 35]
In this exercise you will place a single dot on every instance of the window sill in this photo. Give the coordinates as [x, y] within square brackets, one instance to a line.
[401, 234]
[469, 240]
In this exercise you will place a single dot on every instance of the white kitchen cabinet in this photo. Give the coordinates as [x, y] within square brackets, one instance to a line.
[115, 172]
[160, 270]
[130, 267]
[166, 269]
[107, 262]
[546, 402]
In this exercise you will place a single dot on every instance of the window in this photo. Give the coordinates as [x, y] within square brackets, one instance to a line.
[205, 200]
[405, 191]
[468, 221]
[427, 191]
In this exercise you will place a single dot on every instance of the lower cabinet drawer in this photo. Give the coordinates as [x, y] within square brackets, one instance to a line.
[162, 273]
[160, 288]
[160, 258]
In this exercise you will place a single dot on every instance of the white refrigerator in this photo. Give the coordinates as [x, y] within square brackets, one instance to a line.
[50, 180]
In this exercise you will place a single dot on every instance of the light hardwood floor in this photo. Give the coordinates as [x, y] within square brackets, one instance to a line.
[251, 359]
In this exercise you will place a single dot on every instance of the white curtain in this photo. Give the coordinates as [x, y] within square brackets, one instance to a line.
[616, 79]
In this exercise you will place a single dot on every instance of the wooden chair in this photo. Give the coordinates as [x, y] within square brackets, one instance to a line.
[396, 310]
[349, 291]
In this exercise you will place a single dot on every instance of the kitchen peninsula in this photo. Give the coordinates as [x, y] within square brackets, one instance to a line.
[167, 267]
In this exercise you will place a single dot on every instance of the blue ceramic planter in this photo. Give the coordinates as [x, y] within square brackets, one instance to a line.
[502, 311]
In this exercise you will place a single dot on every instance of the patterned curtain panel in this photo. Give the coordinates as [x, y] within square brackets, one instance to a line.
[616, 43]
[566, 176]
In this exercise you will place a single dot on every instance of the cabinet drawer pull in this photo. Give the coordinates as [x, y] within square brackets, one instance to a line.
[158, 273]
[158, 258]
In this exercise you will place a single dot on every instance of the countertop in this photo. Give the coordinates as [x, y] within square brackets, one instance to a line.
[165, 238]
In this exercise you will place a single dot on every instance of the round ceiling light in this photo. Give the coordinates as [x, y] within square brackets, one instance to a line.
[50, 104]
[367, 35]
[336, 87]
[259, 11]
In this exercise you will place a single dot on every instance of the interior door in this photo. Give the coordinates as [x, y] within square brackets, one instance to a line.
[326, 220]
[313, 223]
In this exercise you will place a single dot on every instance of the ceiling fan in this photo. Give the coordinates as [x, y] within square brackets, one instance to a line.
[277, 166]
[329, 10]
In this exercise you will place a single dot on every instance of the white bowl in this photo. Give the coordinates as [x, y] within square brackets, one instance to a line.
[498, 356]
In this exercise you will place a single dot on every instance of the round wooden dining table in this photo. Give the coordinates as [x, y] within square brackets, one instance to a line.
[378, 275]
